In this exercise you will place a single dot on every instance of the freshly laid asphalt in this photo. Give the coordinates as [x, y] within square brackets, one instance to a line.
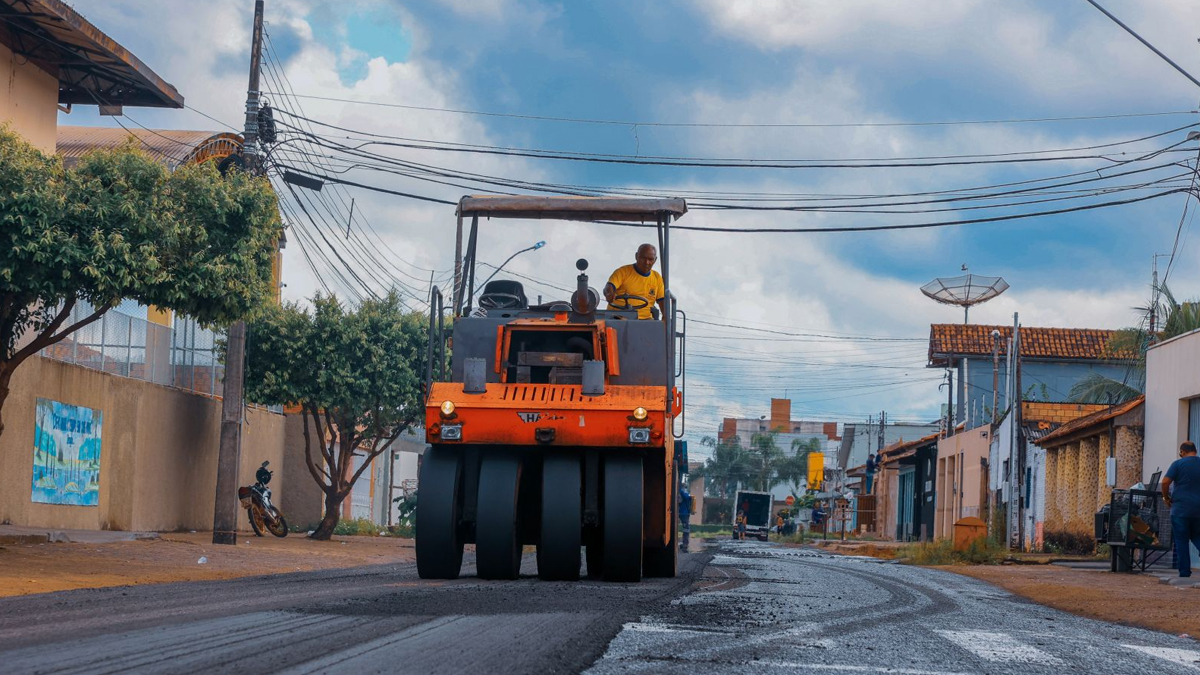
[737, 608]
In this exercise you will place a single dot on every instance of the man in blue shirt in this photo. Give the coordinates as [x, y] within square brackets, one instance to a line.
[1181, 492]
[685, 515]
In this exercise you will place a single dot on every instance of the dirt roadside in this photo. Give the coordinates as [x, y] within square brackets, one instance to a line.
[1127, 599]
[48, 567]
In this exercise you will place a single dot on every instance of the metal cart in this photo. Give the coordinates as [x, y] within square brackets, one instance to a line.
[1139, 529]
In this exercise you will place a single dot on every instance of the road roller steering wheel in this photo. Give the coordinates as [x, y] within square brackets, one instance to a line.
[627, 302]
[497, 300]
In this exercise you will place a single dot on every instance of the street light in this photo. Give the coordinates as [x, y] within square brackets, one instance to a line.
[530, 248]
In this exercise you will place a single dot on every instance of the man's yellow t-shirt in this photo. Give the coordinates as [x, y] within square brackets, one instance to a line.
[628, 281]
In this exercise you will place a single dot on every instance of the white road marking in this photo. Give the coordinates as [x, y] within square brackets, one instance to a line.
[643, 627]
[997, 647]
[846, 668]
[1184, 657]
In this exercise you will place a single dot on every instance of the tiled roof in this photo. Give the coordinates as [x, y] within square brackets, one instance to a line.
[901, 449]
[1039, 343]
[172, 146]
[1095, 418]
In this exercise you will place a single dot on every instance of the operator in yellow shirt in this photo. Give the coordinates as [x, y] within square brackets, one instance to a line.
[637, 286]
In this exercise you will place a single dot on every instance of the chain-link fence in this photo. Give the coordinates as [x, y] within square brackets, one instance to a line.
[183, 355]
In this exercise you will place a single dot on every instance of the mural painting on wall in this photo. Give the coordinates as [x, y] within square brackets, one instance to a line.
[66, 454]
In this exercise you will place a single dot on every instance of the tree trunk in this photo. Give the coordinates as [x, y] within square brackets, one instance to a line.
[333, 507]
[5, 380]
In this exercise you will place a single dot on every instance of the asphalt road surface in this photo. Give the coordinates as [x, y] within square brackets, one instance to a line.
[739, 608]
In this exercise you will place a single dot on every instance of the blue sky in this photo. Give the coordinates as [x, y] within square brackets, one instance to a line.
[746, 62]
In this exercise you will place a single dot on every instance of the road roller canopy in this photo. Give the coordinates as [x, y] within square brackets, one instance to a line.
[628, 209]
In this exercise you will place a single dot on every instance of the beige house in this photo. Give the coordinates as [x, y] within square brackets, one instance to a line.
[961, 478]
[1172, 400]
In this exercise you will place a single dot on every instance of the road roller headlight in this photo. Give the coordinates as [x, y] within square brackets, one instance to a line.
[451, 432]
[639, 413]
[639, 435]
[447, 408]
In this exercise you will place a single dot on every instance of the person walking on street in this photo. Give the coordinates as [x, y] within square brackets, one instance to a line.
[1181, 492]
[685, 516]
[869, 475]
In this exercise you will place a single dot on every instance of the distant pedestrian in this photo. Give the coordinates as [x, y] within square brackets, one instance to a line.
[1181, 492]
[779, 525]
[870, 473]
[685, 517]
[741, 525]
[818, 515]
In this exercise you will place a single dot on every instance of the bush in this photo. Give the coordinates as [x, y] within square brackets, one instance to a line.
[940, 552]
[1070, 543]
[358, 526]
[982, 551]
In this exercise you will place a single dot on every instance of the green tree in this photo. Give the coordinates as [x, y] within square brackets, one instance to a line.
[120, 225]
[355, 374]
[1173, 318]
[765, 457]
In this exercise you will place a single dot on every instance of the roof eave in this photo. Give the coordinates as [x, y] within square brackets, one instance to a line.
[149, 90]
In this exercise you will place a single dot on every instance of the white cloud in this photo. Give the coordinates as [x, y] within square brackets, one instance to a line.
[1065, 53]
[809, 282]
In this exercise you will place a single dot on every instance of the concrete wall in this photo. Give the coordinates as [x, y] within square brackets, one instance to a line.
[29, 102]
[1172, 378]
[158, 457]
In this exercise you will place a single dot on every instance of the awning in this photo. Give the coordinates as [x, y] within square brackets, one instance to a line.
[630, 209]
[92, 69]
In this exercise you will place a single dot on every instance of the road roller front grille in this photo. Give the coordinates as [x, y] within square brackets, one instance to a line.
[527, 393]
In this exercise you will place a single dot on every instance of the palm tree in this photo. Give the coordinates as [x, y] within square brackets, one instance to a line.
[1176, 319]
[765, 456]
[728, 466]
[793, 470]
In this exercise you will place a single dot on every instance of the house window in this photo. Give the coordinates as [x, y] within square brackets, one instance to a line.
[1193, 419]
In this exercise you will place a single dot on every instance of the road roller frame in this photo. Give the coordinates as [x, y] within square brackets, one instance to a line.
[552, 425]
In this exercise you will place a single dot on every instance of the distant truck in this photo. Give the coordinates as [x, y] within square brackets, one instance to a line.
[757, 507]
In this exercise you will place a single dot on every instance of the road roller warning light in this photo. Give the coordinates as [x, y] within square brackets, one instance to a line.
[574, 409]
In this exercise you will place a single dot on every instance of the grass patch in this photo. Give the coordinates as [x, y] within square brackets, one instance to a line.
[800, 537]
[982, 551]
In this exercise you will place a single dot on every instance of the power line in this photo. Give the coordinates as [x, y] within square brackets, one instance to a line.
[795, 230]
[466, 147]
[752, 125]
[734, 163]
[1152, 48]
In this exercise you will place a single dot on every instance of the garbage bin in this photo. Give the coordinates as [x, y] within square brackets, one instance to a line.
[967, 530]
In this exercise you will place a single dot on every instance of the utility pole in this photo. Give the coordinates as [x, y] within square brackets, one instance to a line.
[882, 428]
[995, 373]
[225, 509]
[1014, 417]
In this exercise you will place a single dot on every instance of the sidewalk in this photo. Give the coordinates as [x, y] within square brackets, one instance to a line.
[1092, 591]
[31, 563]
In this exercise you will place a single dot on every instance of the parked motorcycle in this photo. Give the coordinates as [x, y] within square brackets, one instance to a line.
[256, 499]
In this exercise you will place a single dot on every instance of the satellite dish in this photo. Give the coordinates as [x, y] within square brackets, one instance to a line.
[965, 291]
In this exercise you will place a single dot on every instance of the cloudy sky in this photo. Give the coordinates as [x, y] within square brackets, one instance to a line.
[679, 77]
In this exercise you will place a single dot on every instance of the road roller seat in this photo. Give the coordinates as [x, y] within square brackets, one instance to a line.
[503, 294]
